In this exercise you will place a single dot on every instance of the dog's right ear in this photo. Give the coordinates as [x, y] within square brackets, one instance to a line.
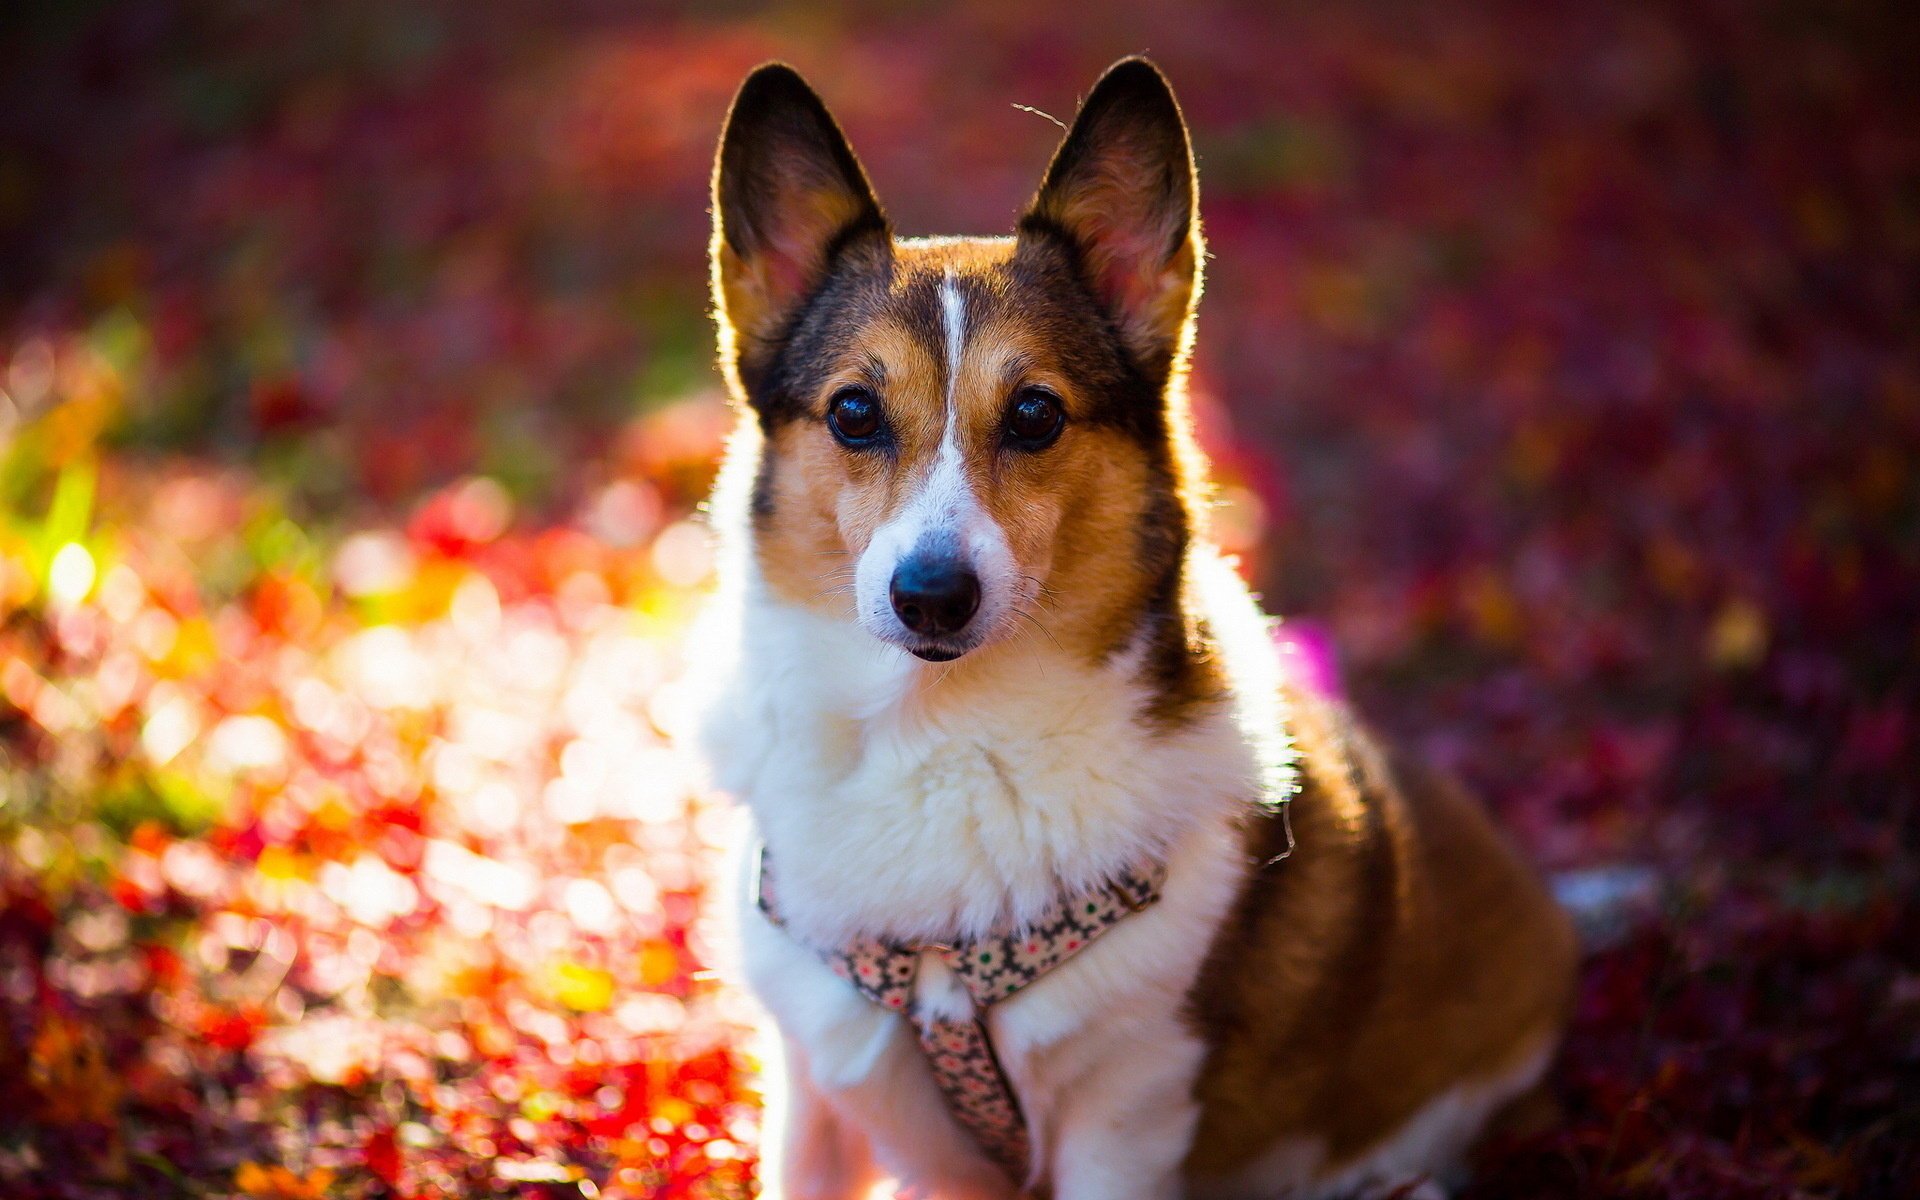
[788, 197]
[1122, 191]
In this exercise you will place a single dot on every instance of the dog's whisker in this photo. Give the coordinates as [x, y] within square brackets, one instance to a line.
[1034, 621]
[1041, 590]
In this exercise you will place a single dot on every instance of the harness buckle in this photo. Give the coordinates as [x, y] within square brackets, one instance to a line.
[1124, 896]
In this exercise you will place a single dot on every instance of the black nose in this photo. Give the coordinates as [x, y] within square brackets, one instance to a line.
[934, 595]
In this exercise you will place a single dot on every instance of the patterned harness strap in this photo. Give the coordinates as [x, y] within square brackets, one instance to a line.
[993, 968]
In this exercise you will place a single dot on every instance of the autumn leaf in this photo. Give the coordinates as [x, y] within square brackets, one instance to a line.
[580, 987]
[67, 1067]
[269, 1182]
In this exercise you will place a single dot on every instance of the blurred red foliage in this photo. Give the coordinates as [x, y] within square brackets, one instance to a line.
[1561, 366]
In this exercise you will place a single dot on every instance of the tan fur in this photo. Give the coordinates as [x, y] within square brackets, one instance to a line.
[1403, 950]
[828, 503]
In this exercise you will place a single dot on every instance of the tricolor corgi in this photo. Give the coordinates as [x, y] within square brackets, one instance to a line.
[1057, 885]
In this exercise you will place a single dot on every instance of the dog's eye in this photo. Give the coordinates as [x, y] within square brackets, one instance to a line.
[854, 416]
[1034, 418]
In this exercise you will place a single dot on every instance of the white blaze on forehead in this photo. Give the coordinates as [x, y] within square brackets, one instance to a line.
[946, 500]
[944, 503]
[953, 319]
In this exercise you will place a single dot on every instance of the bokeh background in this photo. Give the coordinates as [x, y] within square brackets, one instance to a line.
[356, 398]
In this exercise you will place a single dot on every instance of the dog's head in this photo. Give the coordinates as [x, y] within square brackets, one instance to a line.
[964, 438]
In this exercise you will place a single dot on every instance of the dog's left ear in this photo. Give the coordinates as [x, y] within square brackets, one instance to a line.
[789, 199]
[1123, 192]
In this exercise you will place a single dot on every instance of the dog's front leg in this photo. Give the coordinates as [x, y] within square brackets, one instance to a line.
[856, 1098]
[1126, 1124]
[811, 1153]
[889, 1094]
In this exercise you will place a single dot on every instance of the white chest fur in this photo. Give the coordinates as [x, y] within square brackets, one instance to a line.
[926, 804]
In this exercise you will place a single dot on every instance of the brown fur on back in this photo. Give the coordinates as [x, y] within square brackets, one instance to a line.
[1401, 950]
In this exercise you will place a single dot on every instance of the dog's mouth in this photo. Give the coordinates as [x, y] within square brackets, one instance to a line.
[931, 647]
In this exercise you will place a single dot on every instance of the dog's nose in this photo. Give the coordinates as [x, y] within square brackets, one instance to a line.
[934, 594]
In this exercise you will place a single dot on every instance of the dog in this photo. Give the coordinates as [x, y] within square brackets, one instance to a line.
[989, 693]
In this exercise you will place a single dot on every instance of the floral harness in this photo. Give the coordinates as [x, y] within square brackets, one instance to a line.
[993, 968]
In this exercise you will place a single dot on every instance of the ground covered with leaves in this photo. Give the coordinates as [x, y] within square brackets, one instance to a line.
[1561, 365]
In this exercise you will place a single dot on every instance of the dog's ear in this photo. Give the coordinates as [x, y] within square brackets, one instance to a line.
[1123, 194]
[788, 197]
